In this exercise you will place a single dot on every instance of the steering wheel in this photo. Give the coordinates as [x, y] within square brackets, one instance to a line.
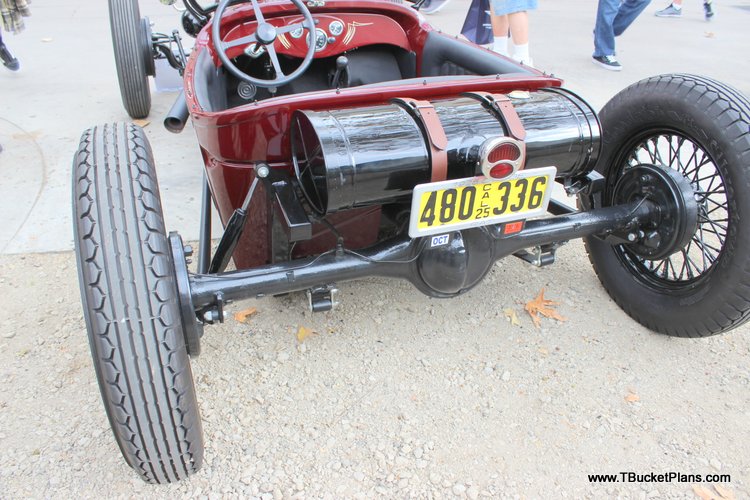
[265, 35]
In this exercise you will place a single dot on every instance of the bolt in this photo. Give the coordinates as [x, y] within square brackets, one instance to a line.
[187, 250]
[211, 316]
[262, 171]
[652, 240]
[632, 237]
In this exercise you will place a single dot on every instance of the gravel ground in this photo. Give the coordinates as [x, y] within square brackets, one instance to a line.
[398, 395]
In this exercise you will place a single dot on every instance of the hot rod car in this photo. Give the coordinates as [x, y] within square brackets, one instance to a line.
[344, 139]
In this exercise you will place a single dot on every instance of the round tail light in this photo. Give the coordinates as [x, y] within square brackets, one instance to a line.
[501, 157]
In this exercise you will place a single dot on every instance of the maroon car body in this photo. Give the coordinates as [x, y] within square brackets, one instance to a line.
[233, 140]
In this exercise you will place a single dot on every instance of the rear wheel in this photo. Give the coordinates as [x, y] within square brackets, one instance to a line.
[130, 303]
[700, 129]
[131, 41]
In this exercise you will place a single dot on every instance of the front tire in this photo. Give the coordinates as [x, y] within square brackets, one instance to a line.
[700, 128]
[131, 56]
[130, 304]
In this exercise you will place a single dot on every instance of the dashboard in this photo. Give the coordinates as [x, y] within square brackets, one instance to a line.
[334, 34]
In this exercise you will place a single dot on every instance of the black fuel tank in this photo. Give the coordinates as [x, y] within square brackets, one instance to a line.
[347, 158]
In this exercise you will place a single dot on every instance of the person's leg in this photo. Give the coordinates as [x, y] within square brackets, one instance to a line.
[708, 9]
[500, 26]
[9, 61]
[604, 36]
[519, 27]
[519, 32]
[628, 11]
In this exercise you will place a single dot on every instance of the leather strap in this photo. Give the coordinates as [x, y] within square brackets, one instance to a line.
[436, 139]
[503, 106]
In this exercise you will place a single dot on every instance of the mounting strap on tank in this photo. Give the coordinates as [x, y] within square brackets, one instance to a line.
[502, 106]
[425, 113]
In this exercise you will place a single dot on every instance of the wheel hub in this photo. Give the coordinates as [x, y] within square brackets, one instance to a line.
[147, 47]
[677, 218]
[191, 327]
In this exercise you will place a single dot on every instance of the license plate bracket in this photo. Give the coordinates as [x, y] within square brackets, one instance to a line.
[438, 207]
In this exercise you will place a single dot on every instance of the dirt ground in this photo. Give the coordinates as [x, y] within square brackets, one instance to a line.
[397, 395]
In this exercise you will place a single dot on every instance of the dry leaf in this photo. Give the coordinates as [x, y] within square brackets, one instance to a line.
[710, 34]
[303, 333]
[632, 397]
[726, 493]
[512, 317]
[704, 493]
[242, 316]
[542, 306]
[141, 123]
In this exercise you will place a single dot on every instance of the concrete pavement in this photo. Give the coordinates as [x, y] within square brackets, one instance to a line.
[68, 83]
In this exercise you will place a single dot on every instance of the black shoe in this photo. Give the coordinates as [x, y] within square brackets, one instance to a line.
[607, 62]
[9, 61]
[708, 9]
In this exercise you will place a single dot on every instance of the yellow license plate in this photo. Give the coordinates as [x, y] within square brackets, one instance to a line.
[462, 203]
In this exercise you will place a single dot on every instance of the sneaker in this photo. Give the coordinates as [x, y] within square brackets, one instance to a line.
[9, 61]
[433, 6]
[669, 12]
[607, 62]
[708, 9]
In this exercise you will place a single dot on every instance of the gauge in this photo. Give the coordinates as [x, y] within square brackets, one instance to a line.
[321, 39]
[298, 32]
[336, 28]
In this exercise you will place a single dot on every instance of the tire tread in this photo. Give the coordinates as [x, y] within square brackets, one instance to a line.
[130, 301]
[124, 19]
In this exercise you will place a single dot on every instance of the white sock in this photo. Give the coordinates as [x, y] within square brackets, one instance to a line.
[500, 45]
[521, 53]
[676, 7]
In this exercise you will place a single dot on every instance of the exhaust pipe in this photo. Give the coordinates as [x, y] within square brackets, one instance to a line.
[177, 117]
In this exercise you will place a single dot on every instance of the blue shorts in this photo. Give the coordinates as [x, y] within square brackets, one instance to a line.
[501, 7]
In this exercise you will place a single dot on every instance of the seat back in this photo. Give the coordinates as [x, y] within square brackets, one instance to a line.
[443, 55]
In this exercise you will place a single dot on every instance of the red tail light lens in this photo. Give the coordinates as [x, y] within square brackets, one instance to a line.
[501, 170]
[505, 151]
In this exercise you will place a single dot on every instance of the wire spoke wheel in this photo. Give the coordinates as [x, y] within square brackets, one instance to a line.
[695, 131]
[673, 150]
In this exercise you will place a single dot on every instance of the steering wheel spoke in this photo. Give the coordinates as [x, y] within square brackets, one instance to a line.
[245, 40]
[258, 12]
[292, 27]
[275, 61]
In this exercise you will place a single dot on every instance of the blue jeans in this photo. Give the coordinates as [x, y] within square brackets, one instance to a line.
[612, 18]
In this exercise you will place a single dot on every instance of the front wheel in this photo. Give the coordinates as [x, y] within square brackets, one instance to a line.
[131, 41]
[700, 129]
[130, 304]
